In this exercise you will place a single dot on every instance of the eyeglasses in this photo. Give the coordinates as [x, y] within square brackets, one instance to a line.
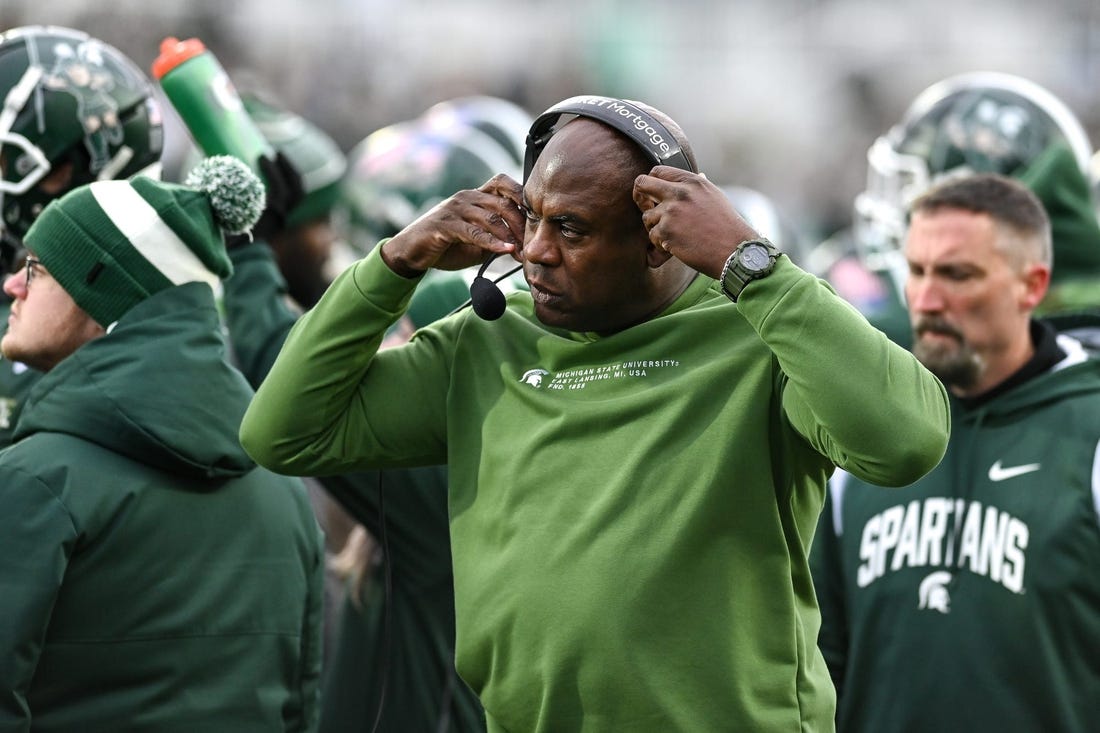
[32, 262]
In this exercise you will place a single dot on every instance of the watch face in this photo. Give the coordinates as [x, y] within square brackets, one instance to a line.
[755, 257]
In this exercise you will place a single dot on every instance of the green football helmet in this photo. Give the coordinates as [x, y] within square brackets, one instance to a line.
[314, 155]
[400, 171]
[68, 98]
[978, 122]
[765, 216]
[504, 121]
[1094, 180]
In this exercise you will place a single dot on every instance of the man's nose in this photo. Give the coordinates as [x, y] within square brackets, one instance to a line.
[924, 296]
[539, 247]
[15, 285]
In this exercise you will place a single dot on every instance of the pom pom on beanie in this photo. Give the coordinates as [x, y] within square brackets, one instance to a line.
[236, 194]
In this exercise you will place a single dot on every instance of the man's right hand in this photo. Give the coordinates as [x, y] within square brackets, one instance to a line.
[456, 233]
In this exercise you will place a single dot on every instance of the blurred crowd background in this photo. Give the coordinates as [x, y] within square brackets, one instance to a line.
[784, 96]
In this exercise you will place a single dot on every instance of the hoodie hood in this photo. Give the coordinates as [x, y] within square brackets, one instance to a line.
[1042, 389]
[156, 388]
[1057, 180]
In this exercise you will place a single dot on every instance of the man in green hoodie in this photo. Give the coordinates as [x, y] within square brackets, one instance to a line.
[970, 601]
[638, 446]
[976, 122]
[154, 578]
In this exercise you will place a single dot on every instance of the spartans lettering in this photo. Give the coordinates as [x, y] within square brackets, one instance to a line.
[945, 532]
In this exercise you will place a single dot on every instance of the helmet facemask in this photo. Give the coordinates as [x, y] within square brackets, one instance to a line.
[69, 101]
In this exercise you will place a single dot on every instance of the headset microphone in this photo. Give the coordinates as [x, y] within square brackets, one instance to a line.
[486, 298]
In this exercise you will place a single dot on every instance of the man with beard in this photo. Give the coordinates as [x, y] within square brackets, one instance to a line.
[970, 600]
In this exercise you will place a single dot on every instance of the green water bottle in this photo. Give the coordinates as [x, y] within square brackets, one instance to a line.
[208, 103]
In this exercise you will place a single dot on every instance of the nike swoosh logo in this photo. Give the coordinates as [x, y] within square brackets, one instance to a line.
[999, 473]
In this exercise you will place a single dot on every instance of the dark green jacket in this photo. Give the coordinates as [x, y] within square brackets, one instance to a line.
[153, 579]
[413, 658]
[970, 600]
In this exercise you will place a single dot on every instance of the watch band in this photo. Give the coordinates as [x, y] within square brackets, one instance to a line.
[725, 276]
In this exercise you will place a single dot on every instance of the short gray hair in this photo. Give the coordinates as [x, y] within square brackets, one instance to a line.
[1008, 202]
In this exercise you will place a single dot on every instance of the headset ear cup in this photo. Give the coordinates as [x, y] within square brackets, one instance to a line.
[529, 156]
[531, 153]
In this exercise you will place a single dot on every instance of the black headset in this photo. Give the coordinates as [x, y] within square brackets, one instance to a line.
[620, 114]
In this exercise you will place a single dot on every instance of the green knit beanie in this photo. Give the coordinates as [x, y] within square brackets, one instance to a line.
[111, 244]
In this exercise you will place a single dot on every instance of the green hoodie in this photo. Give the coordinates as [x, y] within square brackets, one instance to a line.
[153, 578]
[630, 515]
[970, 600]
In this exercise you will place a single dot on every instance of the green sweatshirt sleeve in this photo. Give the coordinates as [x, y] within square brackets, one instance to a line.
[316, 402]
[856, 396]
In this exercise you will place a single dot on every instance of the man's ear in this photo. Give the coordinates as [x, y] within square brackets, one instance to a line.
[1036, 283]
[656, 256]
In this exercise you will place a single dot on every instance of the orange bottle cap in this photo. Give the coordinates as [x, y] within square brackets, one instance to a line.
[174, 52]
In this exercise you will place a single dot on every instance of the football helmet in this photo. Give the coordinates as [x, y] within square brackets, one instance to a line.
[400, 171]
[314, 155]
[68, 98]
[765, 216]
[1094, 179]
[504, 121]
[977, 122]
